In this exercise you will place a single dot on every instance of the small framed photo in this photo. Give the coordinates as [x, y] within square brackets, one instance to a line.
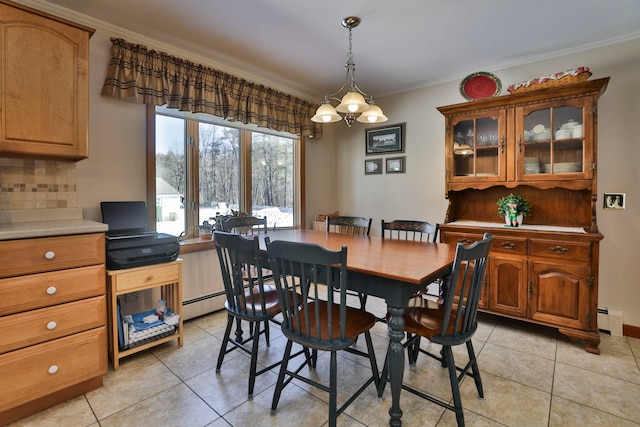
[395, 164]
[614, 200]
[382, 140]
[373, 166]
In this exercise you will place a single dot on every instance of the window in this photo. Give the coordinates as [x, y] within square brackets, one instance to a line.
[206, 167]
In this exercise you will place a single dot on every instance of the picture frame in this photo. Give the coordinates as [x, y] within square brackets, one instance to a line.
[395, 164]
[387, 139]
[373, 166]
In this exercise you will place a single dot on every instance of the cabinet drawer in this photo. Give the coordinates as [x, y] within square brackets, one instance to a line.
[50, 253]
[509, 245]
[145, 277]
[455, 238]
[36, 326]
[561, 249]
[45, 289]
[36, 371]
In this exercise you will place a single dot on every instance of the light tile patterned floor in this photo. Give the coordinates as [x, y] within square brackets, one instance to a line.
[531, 375]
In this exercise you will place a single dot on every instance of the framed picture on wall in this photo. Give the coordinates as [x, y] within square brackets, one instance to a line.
[373, 166]
[395, 164]
[382, 140]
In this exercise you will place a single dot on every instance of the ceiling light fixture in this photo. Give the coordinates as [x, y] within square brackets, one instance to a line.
[353, 105]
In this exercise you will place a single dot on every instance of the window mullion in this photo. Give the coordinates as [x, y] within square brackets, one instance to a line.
[193, 192]
[245, 172]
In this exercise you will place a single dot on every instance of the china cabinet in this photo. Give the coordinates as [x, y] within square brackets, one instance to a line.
[541, 144]
[44, 85]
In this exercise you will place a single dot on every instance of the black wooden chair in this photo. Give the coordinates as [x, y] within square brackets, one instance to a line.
[356, 225]
[248, 298]
[450, 324]
[245, 225]
[318, 324]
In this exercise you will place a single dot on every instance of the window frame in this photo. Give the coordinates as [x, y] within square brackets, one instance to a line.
[192, 187]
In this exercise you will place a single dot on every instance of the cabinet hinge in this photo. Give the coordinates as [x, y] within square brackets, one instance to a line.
[593, 110]
[589, 282]
[593, 166]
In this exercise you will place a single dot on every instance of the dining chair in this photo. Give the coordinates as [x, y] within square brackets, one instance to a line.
[356, 225]
[245, 225]
[248, 297]
[304, 270]
[449, 324]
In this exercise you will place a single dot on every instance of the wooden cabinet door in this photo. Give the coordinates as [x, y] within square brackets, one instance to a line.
[43, 86]
[560, 294]
[508, 286]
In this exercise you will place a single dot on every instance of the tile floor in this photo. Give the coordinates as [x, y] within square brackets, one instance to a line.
[531, 375]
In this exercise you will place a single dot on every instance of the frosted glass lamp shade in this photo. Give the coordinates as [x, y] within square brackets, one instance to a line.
[326, 114]
[352, 102]
[372, 115]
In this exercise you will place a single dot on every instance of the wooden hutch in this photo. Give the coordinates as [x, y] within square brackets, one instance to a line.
[541, 144]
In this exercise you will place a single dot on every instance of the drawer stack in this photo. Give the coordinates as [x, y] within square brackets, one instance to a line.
[53, 317]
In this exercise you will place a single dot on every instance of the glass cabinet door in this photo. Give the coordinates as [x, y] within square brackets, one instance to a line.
[551, 141]
[477, 148]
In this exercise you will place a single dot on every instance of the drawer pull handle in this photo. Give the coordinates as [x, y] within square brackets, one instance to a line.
[50, 255]
[465, 241]
[51, 290]
[51, 325]
[508, 245]
[53, 369]
[558, 249]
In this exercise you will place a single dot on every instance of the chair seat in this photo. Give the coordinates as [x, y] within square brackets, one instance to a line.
[271, 301]
[426, 320]
[358, 321]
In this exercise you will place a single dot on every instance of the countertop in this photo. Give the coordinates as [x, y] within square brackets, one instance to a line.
[29, 223]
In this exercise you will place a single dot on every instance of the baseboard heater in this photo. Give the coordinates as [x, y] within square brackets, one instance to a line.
[202, 298]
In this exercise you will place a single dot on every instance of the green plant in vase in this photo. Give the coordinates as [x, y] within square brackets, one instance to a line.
[513, 208]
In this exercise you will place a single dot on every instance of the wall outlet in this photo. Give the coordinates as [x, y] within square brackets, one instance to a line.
[615, 200]
[133, 296]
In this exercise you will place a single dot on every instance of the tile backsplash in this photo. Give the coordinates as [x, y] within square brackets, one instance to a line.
[37, 184]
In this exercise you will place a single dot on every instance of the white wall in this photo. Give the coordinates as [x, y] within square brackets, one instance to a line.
[420, 192]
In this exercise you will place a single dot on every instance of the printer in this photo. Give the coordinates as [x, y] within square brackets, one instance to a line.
[129, 242]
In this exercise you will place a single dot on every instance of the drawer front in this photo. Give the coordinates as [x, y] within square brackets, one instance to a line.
[36, 326]
[36, 371]
[509, 245]
[561, 250]
[453, 238]
[45, 289]
[50, 253]
[144, 277]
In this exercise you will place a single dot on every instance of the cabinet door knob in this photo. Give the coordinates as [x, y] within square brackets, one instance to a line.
[51, 290]
[558, 249]
[53, 369]
[50, 255]
[465, 241]
[51, 325]
[508, 245]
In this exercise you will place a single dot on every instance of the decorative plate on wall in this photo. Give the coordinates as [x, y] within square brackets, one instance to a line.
[480, 85]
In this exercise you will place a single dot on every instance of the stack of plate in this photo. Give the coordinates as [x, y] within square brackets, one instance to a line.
[567, 167]
[531, 165]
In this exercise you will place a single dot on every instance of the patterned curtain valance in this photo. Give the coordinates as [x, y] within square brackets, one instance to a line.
[158, 78]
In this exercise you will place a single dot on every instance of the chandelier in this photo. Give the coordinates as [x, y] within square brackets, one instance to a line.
[353, 105]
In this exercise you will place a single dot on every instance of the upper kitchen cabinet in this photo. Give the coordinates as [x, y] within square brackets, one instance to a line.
[544, 138]
[44, 85]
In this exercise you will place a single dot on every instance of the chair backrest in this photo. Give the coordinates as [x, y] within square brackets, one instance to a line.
[460, 317]
[410, 230]
[303, 275]
[241, 266]
[349, 225]
[245, 225]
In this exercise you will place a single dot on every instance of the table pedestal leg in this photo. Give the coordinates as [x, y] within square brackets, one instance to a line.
[396, 363]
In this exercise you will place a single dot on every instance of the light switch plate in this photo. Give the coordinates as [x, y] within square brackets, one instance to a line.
[615, 200]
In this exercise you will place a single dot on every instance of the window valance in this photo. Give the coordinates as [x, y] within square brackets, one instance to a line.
[157, 78]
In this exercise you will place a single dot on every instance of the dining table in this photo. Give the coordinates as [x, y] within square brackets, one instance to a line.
[393, 270]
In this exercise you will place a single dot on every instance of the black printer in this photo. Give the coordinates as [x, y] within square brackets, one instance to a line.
[129, 242]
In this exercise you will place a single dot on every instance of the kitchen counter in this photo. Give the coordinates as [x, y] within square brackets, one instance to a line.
[29, 223]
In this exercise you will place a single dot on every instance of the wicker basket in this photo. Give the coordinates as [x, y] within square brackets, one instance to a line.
[549, 82]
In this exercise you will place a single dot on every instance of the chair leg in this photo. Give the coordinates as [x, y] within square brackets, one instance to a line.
[372, 360]
[383, 376]
[363, 300]
[281, 375]
[474, 369]
[225, 341]
[254, 358]
[266, 331]
[238, 331]
[333, 390]
[455, 387]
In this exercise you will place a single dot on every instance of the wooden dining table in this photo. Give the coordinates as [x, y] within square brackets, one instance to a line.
[390, 269]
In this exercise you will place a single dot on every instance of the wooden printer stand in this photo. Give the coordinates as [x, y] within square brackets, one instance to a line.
[166, 276]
